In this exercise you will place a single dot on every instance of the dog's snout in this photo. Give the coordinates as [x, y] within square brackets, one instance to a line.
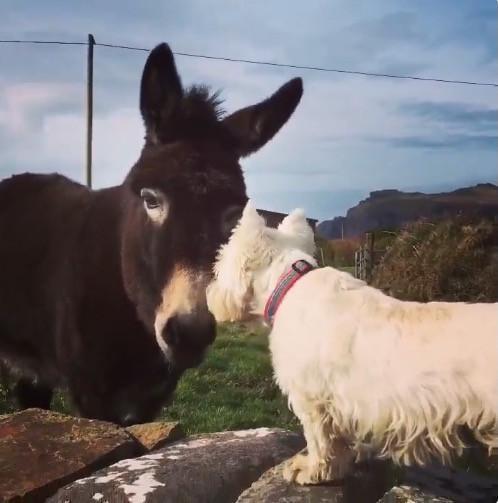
[190, 331]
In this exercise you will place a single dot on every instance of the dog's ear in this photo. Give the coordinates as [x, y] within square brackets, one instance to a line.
[227, 295]
[251, 219]
[294, 222]
[297, 227]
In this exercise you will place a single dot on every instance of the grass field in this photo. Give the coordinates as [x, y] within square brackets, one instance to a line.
[232, 389]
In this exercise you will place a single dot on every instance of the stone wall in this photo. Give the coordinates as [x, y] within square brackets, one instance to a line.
[46, 456]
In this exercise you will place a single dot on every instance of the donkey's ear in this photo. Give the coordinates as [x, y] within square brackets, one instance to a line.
[253, 126]
[160, 90]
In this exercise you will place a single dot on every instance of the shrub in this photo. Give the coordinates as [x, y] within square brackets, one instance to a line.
[453, 260]
[337, 252]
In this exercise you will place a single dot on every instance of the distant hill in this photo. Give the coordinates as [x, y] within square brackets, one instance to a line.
[391, 209]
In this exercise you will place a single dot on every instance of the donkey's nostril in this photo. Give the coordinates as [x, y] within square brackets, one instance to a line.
[171, 332]
[196, 330]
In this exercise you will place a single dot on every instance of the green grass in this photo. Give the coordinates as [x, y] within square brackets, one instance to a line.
[232, 389]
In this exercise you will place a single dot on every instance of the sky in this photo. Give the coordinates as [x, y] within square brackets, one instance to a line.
[349, 135]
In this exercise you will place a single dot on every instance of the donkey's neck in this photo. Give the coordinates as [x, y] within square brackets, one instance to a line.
[266, 281]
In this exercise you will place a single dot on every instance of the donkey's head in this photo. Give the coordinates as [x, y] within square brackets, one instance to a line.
[186, 193]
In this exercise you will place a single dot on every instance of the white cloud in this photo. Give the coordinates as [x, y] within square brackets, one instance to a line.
[119, 137]
[42, 139]
[21, 103]
[327, 145]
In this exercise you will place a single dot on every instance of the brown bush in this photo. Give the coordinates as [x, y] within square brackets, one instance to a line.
[337, 252]
[453, 260]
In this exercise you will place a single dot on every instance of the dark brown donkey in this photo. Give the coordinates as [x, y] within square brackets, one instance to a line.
[104, 291]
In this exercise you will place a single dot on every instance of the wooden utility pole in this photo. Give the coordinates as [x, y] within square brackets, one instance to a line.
[89, 110]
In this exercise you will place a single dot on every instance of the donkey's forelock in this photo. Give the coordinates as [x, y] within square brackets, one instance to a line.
[197, 116]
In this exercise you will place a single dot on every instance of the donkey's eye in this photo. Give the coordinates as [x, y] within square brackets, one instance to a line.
[150, 198]
[155, 204]
[151, 202]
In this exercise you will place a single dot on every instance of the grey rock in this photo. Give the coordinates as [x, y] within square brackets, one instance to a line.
[455, 484]
[372, 482]
[368, 483]
[407, 494]
[210, 468]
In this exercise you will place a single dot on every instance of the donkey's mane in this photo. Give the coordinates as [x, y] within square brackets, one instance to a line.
[197, 116]
[199, 99]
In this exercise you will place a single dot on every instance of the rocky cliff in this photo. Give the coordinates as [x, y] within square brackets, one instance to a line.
[391, 209]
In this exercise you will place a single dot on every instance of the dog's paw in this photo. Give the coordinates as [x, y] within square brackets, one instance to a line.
[300, 471]
[294, 467]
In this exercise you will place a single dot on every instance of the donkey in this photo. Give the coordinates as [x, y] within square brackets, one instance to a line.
[103, 292]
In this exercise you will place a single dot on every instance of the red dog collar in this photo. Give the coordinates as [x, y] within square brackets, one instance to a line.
[284, 284]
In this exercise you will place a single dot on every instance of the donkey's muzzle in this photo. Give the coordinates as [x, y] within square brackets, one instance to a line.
[188, 335]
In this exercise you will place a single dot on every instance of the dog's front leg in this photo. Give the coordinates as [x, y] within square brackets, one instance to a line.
[329, 457]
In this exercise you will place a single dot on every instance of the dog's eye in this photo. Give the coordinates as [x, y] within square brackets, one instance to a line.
[230, 219]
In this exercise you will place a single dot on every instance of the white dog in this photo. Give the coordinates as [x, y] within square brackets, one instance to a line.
[364, 373]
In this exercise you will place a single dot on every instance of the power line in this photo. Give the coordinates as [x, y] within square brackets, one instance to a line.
[265, 63]
[52, 42]
[127, 47]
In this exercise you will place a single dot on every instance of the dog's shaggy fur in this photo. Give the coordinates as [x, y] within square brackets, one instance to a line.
[365, 373]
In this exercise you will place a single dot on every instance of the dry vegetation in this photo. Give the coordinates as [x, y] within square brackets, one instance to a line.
[337, 252]
[453, 260]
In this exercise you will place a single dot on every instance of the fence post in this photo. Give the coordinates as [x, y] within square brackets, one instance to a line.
[369, 256]
[323, 257]
[89, 110]
[363, 262]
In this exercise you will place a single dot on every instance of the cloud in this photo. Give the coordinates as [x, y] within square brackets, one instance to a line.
[56, 143]
[319, 204]
[23, 105]
[454, 115]
[466, 24]
[28, 140]
[449, 141]
[348, 136]
[448, 125]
